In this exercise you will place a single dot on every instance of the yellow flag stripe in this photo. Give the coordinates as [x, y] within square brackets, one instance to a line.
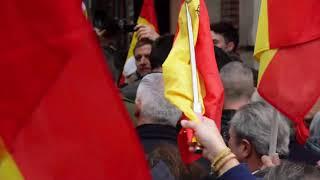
[262, 50]
[8, 168]
[177, 68]
[262, 39]
[265, 59]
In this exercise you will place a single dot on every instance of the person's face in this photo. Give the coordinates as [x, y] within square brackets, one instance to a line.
[220, 42]
[142, 55]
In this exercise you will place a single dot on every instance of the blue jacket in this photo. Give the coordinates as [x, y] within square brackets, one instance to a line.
[237, 172]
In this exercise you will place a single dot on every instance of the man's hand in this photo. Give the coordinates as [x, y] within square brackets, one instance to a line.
[270, 161]
[208, 135]
[145, 31]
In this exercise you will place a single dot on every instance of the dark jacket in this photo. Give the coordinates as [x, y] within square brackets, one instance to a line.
[130, 91]
[227, 115]
[300, 153]
[237, 172]
[151, 135]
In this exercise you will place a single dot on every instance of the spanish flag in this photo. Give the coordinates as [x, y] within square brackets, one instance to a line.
[60, 115]
[178, 77]
[288, 49]
[147, 17]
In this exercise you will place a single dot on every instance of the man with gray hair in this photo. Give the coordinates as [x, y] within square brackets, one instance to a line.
[238, 86]
[157, 118]
[250, 132]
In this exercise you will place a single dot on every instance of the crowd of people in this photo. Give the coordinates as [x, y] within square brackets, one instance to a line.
[240, 150]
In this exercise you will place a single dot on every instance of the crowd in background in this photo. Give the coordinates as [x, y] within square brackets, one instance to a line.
[240, 149]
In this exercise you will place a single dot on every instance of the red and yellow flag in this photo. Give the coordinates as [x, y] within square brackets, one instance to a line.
[288, 49]
[147, 17]
[177, 71]
[60, 115]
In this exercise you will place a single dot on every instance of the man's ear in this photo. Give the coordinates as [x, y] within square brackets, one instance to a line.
[230, 46]
[245, 148]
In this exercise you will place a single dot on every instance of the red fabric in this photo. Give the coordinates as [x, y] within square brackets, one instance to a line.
[293, 22]
[60, 115]
[149, 13]
[209, 75]
[122, 81]
[292, 83]
[208, 69]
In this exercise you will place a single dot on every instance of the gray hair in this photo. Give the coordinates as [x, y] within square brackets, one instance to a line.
[237, 81]
[154, 106]
[315, 126]
[313, 142]
[253, 122]
[292, 170]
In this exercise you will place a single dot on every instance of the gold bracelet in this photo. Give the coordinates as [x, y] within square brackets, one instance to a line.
[222, 154]
[219, 165]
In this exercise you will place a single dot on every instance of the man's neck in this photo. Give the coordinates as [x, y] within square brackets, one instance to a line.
[235, 104]
[142, 120]
[254, 163]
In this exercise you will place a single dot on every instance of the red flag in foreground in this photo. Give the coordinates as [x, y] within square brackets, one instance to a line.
[288, 48]
[177, 72]
[60, 115]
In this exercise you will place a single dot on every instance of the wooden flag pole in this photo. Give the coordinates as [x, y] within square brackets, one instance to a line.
[197, 108]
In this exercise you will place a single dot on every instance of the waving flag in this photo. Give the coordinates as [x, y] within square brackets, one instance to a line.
[147, 17]
[60, 114]
[288, 48]
[177, 72]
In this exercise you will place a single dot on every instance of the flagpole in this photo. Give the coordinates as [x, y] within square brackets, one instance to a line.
[197, 108]
[274, 133]
[196, 102]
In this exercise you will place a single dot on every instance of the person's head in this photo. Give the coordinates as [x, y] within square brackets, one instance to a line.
[165, 162]
[222, 57]
[313, 142]
[238, 84]
[152, 107]
[160, 51]
[310, 115]
[250, 131]
[142, 53]
[290, 170]
[225, 36]
[315, 127]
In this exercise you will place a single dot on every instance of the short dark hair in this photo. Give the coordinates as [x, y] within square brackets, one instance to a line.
[160, 50]
[228, 31]
[141, 43]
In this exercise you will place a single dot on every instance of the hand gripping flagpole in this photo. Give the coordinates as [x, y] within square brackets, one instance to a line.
[197, 108]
